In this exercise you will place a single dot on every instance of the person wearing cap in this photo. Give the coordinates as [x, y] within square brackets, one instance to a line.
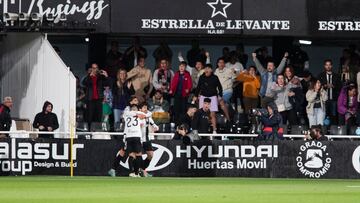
[5, 117]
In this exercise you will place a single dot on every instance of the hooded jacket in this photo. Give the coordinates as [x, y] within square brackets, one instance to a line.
[46, 119]
[186, 84]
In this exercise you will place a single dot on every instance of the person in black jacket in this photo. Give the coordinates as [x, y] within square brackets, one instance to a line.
[271, 122]
[94, 84]
[209, 86]
[201, 121]
[5, 117]
[187, 117]
[46, 120]
[332, 84]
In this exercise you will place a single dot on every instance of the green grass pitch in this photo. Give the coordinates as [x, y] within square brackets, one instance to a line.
[50, 189]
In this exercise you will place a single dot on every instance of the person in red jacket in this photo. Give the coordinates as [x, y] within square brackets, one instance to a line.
[180, 88]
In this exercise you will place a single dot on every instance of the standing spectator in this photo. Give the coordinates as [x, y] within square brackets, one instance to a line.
[160, 108]
[113, 60]
[195, 53]
[251, 86]
[226, 77]
[347, 105]
[141, 79]
[237, 67]
[80, 101]
[46, 121]
[94, 83]
[346, 76]
[282, 92]
[226, 54]
[263, 56]
[122, 90]
[234, 63]
[5, 117]
[107, 107]
[162, 52]
[180, 88]
[133, 53]
[298, 59]
[198, 70]
[268, 76]
[201, 121]
[210, 87]
[316, 97]
[298, 98]
[242, 57]
[332, 84]
[162, 78]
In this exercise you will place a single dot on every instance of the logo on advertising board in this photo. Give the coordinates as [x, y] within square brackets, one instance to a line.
[157, 162]
[93, 10]
[313, 160]
[222, 24]
[356, 159]
[23, 157]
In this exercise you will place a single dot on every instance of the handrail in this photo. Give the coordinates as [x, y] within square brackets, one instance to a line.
[171, 134]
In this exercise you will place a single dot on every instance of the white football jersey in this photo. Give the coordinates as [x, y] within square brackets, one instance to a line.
[133, 124]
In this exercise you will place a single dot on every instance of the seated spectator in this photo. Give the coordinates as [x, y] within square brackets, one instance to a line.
[347, 105]
[187, 118]
[141, 79]
[316, 97]
[282, 92]
[271, 121]
[5, 117]
[121, 90]
[162, 78]
[46, 121]
[180, 88]
[251, 86]
[160, 108]
[94, 84]
[201, 121]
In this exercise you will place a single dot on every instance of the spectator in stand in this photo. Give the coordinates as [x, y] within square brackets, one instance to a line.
[226, 54]
[234, 63]
[298, 59]
[297, 99]
[237, 88]
[94, 84]
[251, 86]
[347, 105]
[226, 77]
[133, 53]
[271, 121]
[160, 108]
[198, 70]
[141, 79]
[316, 133]
[180, 88]
[268, 76]
[121, 90]
[188, 117]
[282, 92]
[46, 121]
[107, 107]
[201, 121]
[262, 54]
[242, 57]
[194, 54]
[332, 84]
[346, 76]
[5, 117]
[210, 87]
[162, 78]
[80, 101]
[162, 52]
[316, 97]
[113, 60]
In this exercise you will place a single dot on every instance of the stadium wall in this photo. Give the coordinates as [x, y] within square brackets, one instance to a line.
[204, 158]
[32, 73]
